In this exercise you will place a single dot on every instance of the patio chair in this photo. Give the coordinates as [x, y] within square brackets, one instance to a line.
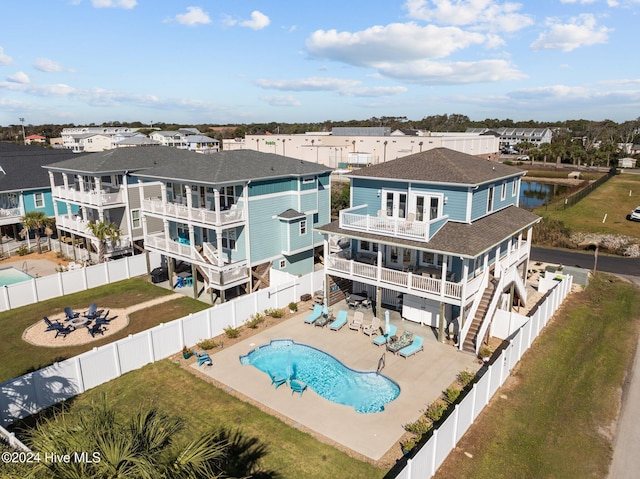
[297, 386]
[340, 320]
[356, 322]
[63, 331]
[70, 313]
[95, 329]
[372, 329]
[413, 348]
[313, 317]
[180, 282]
[383, 338]
[203, 358]
[188, 281]
[103, 319]
[51, 326]
[93, 312]
[276, 380]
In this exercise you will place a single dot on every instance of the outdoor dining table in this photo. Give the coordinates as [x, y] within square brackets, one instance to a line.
[78, 322]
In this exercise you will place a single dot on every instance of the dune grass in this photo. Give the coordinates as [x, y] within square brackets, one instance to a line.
[21, 357]
[555, 415]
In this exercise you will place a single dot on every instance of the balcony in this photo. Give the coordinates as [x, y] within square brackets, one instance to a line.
[10, 215]
[406, 282]
[93, 197]
[217, 276]
[382, 225]
[200, 215]
[78, 226]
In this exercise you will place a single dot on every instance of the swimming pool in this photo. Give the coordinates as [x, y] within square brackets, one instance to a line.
[367, 392]
[12, 275]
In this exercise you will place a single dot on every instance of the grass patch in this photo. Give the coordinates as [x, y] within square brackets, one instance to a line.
[561, 174]
[22, 357]
[611, 199]
[290, 453]
[563, 397]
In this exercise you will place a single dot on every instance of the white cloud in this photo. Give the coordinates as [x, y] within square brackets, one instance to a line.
[582, 2]
[4, 58]
[375, 91]
[443, 73]
[581, 31]
[280, 100]
[126, 4]
[482, 14]
[194, 16]
[258, 21]
[18, 77]
[308, 84]
[395, 42]
[49, 66]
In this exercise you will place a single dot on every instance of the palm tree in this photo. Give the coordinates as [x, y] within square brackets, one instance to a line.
[140, 446]
[104, 231]
[35, 220]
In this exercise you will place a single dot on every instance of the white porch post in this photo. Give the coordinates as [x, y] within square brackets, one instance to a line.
[187, 190]
[497, 270]
[216, 203]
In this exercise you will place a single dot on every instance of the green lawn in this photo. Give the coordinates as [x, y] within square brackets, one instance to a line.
[611, 199]
[22, 357]
[556, 414]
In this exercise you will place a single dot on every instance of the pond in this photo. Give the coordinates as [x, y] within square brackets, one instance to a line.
[534, 194]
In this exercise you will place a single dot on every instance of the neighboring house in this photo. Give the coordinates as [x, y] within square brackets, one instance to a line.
[202, 144]
[430, 234]
[513, 136]
[24, 185]
[231, 216]
[627, 163]
[35, 139]
[139, 140]
[80, 139]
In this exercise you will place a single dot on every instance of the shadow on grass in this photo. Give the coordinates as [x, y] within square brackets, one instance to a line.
[243, 456]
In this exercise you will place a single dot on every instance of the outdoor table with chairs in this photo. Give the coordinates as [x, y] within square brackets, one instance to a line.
[74, 320]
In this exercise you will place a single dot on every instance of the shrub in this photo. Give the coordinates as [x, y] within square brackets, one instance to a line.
[408, 444]
[232, 332]
[451, 394]
[207, 344]
[254, 321]
[419, 427]
[465, 377]
[22, 250]
[293, 306]
[436, 409]
[274, 313]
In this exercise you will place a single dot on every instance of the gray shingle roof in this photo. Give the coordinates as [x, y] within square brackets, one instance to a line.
[291, 214]
[163, 162]
[460, 239]
[440, 165]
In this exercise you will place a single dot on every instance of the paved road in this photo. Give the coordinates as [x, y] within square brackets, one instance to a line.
[626, 460]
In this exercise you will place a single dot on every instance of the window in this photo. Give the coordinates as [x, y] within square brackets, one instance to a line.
[503, 192]
[283, 264]
[229, 239]
[39, 200]
[316, 218]
[303, 227]
[368, 246]
[306, 181]
[490, 199]
[227, 197]
[431, 259]
[514, 189]
[135, 219]
[421, 207]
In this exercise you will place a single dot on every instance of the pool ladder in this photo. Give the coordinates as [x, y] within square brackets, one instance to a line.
[381, 363]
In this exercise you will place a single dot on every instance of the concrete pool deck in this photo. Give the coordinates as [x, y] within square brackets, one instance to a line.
[421, 378]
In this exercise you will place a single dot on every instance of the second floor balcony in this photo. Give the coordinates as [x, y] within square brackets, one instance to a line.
[185, 213]
[8, 215]
[103, 197]
[78, 226]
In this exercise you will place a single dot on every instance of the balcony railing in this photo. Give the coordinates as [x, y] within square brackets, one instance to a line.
[78, 226]
[383, 225]
[200, 215]
[10, 212]
[407, 281]
[93, 197]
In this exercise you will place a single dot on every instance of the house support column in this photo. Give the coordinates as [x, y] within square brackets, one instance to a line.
[170, 270]
[378, 301]
[441, 323]
[194, 275]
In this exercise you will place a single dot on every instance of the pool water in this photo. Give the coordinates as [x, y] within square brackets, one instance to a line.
[366, 392]
[12, 276]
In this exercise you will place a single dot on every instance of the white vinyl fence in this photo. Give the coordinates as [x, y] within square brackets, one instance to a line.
[432, 454]
[50, 385]
[56, 285]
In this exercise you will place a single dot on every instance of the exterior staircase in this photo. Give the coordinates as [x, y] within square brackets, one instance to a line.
[471, 340]
[260, 276]
[338, 289]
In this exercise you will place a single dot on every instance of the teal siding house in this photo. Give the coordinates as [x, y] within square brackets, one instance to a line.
[221, 221]
[430, 234]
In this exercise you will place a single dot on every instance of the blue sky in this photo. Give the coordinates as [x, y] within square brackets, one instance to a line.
[242, 61]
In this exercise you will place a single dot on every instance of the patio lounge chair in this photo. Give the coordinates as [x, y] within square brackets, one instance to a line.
[63, 331]
[413, 348]
[356, 322]
[203, 358]
[317, 312]
[51, 326]
[104, 319]
[277, 381]
[93, 312]
[401, 341]
[95, 329]
[322, 321]
[373, 328]
[383, 338]
[340, 320]
[70, 313]
[297, 386]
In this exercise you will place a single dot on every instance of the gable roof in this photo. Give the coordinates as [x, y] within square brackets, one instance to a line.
[22, 165]
[440, 165]
[166, 163]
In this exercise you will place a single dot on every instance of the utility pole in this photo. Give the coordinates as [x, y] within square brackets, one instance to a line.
[24, 140]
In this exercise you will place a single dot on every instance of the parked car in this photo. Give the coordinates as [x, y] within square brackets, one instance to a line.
[523, 158]
[635, 214]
